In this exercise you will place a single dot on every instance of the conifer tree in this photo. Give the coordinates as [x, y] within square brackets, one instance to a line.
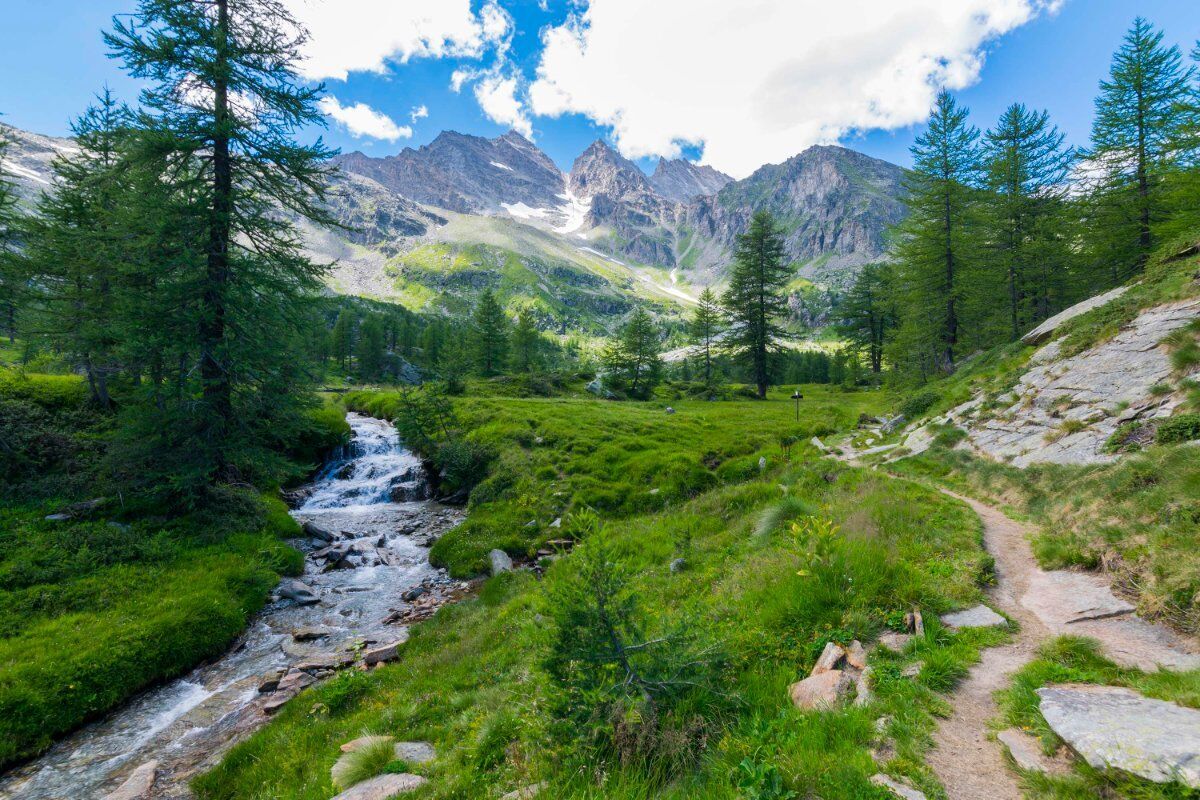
[222, 105]
[867, 314]
[938, 242]
[755, 302]
[490, 330]
[632, 358]
[370, 347]
[526, 344]
[11, 281]
[78, 242]
[1027, 167]
[341, 339]
[1137, 135]
[705, 330]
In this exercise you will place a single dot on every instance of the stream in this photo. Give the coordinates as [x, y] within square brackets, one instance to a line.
[371, 496]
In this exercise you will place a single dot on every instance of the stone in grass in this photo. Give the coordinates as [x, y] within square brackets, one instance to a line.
[897, 788]
[1025, 750]
[896, 642]
[820, 691]
[1116, 728]
[856, 655]
[388, 652]
[383, 787]
[831, 656]
[978, 617]
[500, 562]
[525, 793]
[862, 685]
[415, 752]
[138, 786]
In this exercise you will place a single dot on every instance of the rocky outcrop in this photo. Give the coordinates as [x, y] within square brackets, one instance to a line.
[1064, 410]
[680, 180]
[1047, 329]
[1117, 728]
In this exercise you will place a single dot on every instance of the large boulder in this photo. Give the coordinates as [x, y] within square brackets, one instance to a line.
[1117, 728]
[499, 561]
[821, 691]
[298, 592]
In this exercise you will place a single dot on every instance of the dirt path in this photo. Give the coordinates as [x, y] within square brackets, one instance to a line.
[966, 761]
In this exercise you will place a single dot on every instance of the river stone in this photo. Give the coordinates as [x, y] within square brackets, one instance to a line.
[315, 531]
[415, 752]
[277, 701]
[383, 787]
[138, 786]
[378, 655]
[298, 592]
[308, 634]
[1113, 727]
[500, 562]
[978, 617]
[895, 787]
[831, 656]
[1025, 750]
[820, 691]
[526, 793]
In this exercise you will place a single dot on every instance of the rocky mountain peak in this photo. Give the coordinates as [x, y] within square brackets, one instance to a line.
[680, 180]
[600, 170]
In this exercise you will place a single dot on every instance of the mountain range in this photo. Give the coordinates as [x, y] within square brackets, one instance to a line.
[432, 226]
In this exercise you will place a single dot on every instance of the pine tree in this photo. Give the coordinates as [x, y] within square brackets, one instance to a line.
[755, 301]
[78, 243]
[938, 242]
[1181, 227]
[453, 364]
[632, 358]
[341, 339]
[867, 314]
[1027, 168]
[370, 348]
[11, 279]
[705, 330]
[526, 344]
[1137, 134]
[222, 104]
[490, 331]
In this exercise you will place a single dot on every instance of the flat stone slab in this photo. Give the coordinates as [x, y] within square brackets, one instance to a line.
[1117, 728]
[383, 787]
[978, 617]
[1064, 598]
[1026, 752]
[415, 752]
[1044, 331]
[897, 788]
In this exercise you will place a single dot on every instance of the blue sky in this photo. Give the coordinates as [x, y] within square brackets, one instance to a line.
[650, 78]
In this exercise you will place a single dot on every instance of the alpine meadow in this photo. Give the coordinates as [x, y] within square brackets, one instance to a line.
[581, 399]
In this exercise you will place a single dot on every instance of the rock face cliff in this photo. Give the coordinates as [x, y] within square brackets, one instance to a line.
[834, 206]
[28, 158]
[467, 174]
[1066, 410]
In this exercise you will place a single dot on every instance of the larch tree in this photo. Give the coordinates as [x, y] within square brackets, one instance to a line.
[937, 245]
[756, 301]
[11, 280]
[1138, 131]
[526, 347]
[867, 313]
[705, 330]
[78, 244]
[222, 105]
[490, 332]
[632, 358]
[1026, 172]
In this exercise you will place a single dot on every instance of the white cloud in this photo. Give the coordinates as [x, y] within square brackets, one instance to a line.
[497, 96]
[418, 112]
[362, 120]
[364, 35]
[758, 81]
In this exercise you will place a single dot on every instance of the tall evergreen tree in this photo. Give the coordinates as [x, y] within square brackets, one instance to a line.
[341, 339]
[222, 104]
[937, 246]
[78, 242]
[1138, 131]
[11, 280]
[490, 331]
[632, 358]
[867, 314]
[1181, 226]
[526, 344]
[1027, 167]
[705, 329]
[755, 301]
[370, 348]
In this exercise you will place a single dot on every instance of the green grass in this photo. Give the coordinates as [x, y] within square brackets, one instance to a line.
[1071, 659]
[621, 459]
[471, 680]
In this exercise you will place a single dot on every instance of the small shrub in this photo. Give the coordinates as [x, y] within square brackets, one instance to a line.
[1180, 428]
[917, 404]
[1129, 437]
[1160, 390]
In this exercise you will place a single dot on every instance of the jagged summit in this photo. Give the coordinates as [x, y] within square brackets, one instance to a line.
[680, 180]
